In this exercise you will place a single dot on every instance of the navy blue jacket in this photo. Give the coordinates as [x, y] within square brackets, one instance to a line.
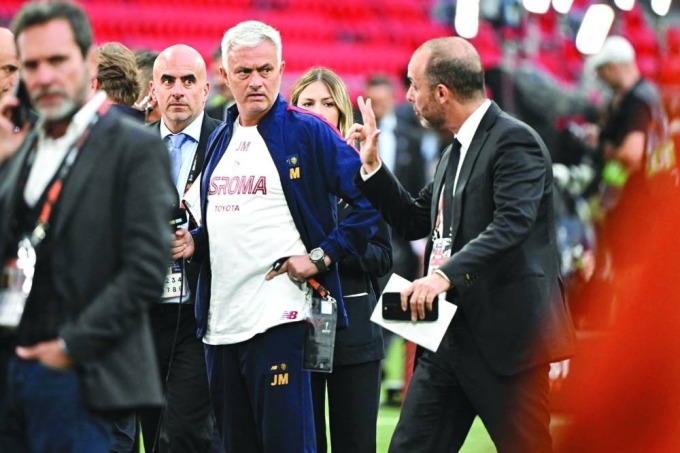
[315, 166]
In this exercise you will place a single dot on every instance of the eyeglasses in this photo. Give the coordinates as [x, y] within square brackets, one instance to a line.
[8, 70]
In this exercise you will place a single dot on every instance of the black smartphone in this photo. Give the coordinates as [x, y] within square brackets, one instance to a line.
[391, 309]
[20, 113]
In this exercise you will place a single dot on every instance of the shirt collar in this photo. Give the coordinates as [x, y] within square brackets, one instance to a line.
[193, 130]
[467, 131]
[78, 123]
[388, 122]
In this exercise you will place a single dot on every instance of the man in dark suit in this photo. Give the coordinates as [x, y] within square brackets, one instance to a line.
[186, 422]
[399, 148]
[88, 197]
[492, 251]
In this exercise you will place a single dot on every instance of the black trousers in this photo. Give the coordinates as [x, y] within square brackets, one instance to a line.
[353, 400]
[186, 421]
[455, 384]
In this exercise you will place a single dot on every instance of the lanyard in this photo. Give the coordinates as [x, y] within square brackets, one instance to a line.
[318, 287]
[54, 189]
[193, 173]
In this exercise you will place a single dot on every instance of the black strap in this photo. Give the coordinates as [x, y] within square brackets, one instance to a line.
[449, 181]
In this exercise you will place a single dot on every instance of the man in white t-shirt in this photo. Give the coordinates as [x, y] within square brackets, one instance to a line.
[269, 191]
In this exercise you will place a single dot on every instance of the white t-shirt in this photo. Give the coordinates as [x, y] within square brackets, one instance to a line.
[250, 226]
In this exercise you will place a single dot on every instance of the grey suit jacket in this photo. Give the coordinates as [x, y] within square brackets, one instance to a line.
[111, 248]
[504, 265]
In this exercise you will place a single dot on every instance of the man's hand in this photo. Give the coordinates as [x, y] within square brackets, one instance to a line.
[367, 136]
[422, 293]
[298, 268]
[49, 353]
[10, 140]
[182, 244]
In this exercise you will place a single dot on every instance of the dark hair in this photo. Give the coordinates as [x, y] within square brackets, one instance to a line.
[117, 73]
[379, 80]
[145, 60]
[462, 73]
[40, 13]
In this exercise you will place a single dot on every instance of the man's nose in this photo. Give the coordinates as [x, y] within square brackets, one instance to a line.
[45, 75]
[255, 80]
[409, 94]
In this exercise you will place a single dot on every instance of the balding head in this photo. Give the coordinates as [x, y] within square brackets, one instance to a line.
[9, 63]
[455, 63]
[180, 85]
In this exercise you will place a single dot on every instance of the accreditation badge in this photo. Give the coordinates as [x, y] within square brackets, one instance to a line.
[175, 286]
[320, 337]
[15, 284]
[441, 251]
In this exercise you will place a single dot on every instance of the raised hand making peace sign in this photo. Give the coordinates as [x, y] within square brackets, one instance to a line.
[367, 136]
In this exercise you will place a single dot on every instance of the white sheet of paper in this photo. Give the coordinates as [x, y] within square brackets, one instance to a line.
[426, 334]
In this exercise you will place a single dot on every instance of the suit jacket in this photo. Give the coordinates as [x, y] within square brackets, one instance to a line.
[110, 252]
[504, 265]
[362, 340]
[207, 126]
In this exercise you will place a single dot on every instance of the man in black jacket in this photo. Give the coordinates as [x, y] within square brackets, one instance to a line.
[490, 222]
[186, 423]
[87, 199]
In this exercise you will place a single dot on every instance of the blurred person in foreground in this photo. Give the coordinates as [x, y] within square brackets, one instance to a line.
[9, 63]
[489, 218]
[186, 422]
[117, 77]
[87, 197]
[354, 385]
[269, 193]
[628, 396]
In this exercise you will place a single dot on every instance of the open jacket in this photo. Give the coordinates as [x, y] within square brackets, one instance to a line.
[316, 167]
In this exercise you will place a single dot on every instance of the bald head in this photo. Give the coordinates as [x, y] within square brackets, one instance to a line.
[9, 63]
[180, 86]
[455, 63]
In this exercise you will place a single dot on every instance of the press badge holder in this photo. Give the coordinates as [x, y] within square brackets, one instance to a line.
[174, 286]
[16, 283]
[321, 327]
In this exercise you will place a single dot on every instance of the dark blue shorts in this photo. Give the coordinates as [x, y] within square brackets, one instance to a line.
[261, 395]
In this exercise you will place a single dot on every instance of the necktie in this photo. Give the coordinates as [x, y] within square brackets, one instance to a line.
[176, 142]
[449, 181]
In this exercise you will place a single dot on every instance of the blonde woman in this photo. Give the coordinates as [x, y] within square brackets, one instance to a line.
[354, 385]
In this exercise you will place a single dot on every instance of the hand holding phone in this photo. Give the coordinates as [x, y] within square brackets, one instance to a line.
[391, 305]
[20, 112]
[11, 135]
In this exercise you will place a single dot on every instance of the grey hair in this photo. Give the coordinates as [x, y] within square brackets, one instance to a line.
[250, 34]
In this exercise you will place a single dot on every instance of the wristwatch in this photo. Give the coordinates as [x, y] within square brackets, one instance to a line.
[317, 256]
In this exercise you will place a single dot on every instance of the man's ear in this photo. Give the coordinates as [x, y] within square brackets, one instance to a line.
[96, 84]
[223, 74]
[442, 93]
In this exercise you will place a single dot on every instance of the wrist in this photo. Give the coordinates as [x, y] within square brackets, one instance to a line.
[320, 259]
